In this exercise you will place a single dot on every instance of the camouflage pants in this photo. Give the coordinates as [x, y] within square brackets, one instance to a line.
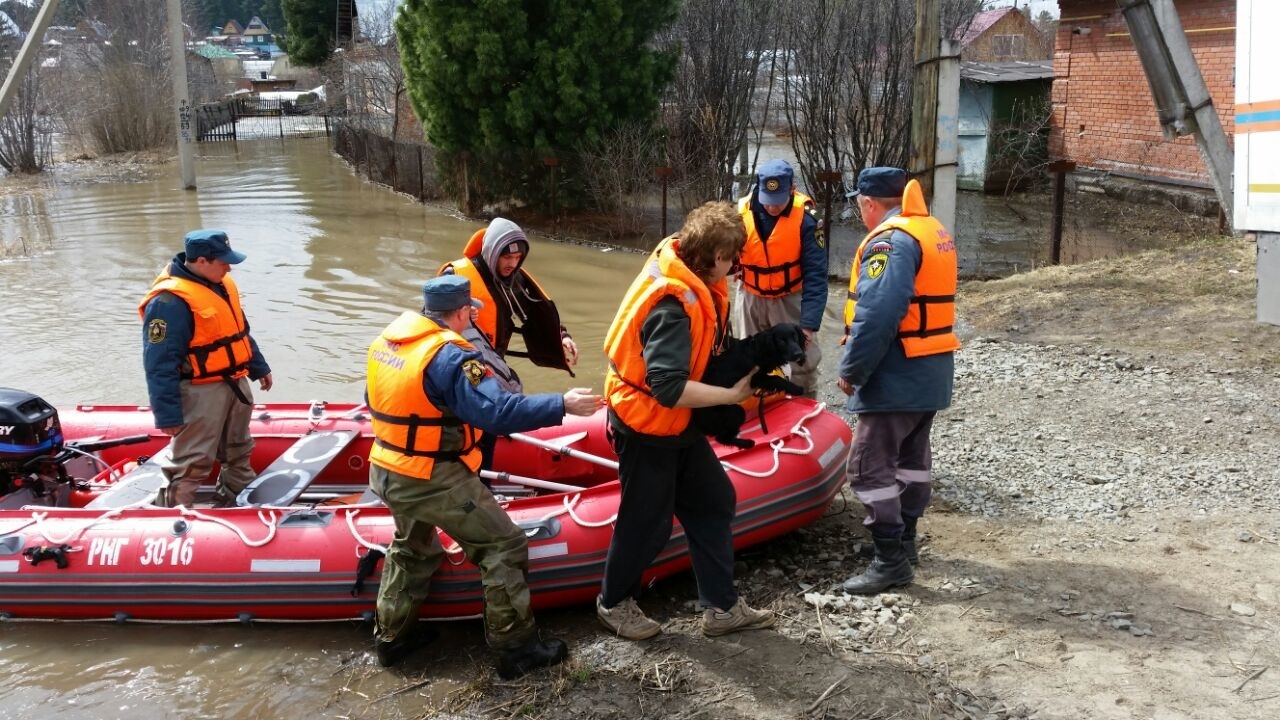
[455, 501]
[217, 427]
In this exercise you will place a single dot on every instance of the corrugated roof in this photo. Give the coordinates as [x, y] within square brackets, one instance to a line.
[1003, 72]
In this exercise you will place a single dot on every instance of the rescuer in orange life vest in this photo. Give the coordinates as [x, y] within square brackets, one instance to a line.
[671, 321]
[897, 367]
[428, 389]
[783, 267]
[199, 359]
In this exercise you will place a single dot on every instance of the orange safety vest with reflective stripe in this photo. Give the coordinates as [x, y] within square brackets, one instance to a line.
[928, 327]
[772, 268]
[664, 275]
[407, 427]
[220, 347]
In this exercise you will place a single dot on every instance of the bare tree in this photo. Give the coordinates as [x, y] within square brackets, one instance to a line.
[113, 88]
[708, 107]
[24, 130]
[616, 170]
[847, 94]
[373, 74]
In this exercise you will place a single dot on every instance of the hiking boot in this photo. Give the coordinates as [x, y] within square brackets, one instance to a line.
[741, 616]
[888, 569]
[627, 620]
[531, 656]
[391, 652]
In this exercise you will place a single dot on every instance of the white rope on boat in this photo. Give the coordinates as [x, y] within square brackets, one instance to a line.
[270, 520]
[568, 508]
[37, 519]
[778, 446]
[355, 533]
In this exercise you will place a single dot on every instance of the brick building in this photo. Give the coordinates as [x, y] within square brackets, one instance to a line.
[1103, 115]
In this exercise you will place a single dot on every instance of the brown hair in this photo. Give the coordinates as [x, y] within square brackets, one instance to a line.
[711, 230]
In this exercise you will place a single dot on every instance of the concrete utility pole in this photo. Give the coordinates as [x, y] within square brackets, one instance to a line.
[30, 48]
[947, 153]
[181, 100]
[1181, 97]
[924, 96]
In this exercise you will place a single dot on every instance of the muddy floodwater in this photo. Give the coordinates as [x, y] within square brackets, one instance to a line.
[331, 260]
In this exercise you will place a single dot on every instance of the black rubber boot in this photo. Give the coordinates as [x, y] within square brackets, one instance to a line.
[392, 652]
[531, 656]
[867, 549]
[909, 539]
[888, 569]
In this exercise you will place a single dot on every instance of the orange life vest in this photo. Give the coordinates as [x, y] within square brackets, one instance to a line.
[220, 339]
[664, 275]
[928, 327]
[407, 427]
[772, 268]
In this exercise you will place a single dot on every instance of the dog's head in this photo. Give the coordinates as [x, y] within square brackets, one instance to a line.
[777, 346]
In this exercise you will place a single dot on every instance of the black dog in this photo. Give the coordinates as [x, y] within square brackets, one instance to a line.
[765, 351]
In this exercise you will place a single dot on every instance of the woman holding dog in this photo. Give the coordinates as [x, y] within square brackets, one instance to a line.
[671, 321]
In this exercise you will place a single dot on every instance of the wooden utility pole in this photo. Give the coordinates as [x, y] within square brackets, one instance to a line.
[30, 48]
[924, 95]
[182, 109]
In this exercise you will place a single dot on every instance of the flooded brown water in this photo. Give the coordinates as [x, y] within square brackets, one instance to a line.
[331, 260]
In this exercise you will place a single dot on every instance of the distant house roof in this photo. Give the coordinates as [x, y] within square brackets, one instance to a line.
[257, 27]
[1003, 72]
[233, 27]
[980, 24]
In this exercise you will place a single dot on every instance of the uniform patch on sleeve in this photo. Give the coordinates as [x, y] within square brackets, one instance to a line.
[474, 370]
[876, 264]
[157, 330]
[819, 232]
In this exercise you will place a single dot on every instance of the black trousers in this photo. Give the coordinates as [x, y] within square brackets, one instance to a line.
[658, 483]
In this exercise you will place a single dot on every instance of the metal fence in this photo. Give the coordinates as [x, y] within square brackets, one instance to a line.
[404, 166]
[251, 117]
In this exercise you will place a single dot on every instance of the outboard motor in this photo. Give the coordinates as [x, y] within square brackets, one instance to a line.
[30, 443]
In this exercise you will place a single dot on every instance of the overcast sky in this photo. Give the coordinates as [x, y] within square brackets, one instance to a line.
[1036, 5]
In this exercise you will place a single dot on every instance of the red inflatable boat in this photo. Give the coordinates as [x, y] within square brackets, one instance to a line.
[80, 539]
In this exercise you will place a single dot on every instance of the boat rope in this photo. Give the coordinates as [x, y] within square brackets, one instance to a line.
[270, 519]
[568, 508]
[355, 533]
[779, 444]
[38, 518]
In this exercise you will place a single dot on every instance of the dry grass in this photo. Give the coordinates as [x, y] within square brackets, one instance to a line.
[1197, 298]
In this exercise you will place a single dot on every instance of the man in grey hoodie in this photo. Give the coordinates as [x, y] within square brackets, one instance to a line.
[513, 302]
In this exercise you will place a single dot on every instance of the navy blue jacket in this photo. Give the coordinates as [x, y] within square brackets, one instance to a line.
[485, 405]
[163, 360]
[813, 260]
[873, 360]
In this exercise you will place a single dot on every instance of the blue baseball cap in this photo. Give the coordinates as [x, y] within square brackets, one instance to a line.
[448, 292]
[774, 180]
[212, 244]
[881, 182]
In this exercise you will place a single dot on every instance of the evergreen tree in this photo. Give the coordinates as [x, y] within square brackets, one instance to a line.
[512, 78]
[309, 29]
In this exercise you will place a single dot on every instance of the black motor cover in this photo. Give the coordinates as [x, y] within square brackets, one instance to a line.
[29, 426]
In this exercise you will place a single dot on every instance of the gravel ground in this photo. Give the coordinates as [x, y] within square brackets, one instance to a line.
[1074, 433]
